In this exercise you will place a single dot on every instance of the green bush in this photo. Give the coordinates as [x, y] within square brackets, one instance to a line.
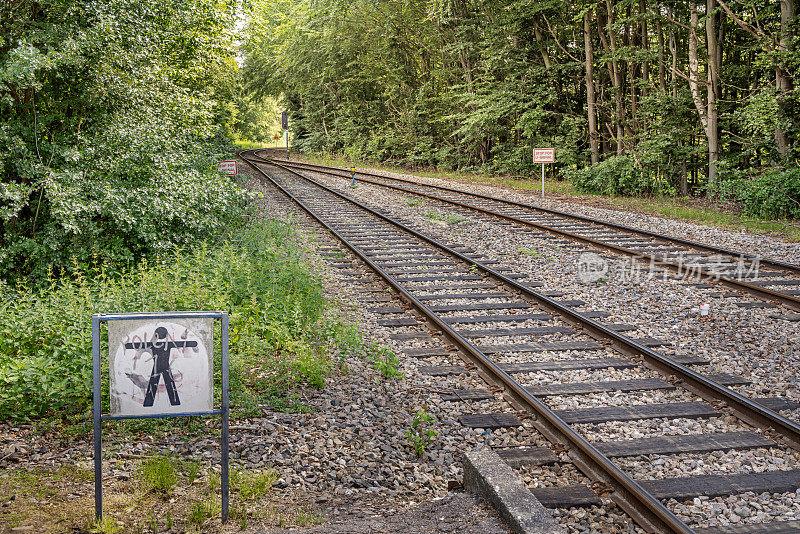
[771, 193]
[277, 330]
[622, 176]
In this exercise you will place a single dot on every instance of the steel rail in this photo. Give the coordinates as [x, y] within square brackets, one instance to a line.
[694, 244]
[648, 511]
[745, 408]
[789, 301]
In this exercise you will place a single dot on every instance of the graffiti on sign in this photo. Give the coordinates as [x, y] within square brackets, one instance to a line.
[160, 367]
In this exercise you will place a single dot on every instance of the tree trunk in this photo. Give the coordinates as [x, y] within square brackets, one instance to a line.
[707, 110]
[783, 82]
[645, 42]
[662, 78]
[616, 78]
[540, 39]
[673, 49]
[712, 86]
[590, 96]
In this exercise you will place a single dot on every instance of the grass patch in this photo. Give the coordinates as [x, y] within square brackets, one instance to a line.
[253, 484]
[413, 201]
[159, 474]
[202, 511]
[306, 518]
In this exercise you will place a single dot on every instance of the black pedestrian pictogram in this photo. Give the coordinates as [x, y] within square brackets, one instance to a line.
[160, 347]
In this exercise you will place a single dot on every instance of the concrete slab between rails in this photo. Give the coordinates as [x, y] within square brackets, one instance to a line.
[486, 474]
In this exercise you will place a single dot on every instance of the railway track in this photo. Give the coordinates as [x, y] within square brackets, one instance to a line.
[513, 336]
[763, 278]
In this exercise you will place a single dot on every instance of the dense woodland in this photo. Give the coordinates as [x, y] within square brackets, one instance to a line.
[639, 96]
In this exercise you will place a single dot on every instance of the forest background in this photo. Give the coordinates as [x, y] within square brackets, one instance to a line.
[639, 97]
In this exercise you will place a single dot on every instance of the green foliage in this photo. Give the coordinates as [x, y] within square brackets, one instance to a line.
[159, 474]
[421, 434]
[384, 360]
[619, 175]
[110, 124]
[277, 333]
[770, 193]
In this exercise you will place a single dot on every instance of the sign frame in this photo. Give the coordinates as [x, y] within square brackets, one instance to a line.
[98, 417]
[224, 166]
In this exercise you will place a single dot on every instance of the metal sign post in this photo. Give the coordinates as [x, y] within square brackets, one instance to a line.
[180, 348]
[544, 155]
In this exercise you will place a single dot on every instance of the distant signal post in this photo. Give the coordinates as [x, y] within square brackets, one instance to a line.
[544, 155]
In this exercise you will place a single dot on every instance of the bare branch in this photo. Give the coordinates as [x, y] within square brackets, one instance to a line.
[755, 32]
[556, 40]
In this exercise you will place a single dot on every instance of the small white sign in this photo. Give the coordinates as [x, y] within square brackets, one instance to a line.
[160, 367]
[228, 167]
[544, 155]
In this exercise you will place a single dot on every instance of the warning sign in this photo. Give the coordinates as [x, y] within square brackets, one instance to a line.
[160, 367]
[544, 155]
[228, 167]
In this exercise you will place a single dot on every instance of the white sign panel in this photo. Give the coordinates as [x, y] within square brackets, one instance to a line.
[160, 367]
[228, 167]
[544, 155]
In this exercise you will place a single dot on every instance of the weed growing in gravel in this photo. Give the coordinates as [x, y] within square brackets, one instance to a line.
[107, 525]
[202, 511]
[159, 474]
[435, 216]
[253, 484]
[304, 518]
[530, 252]
[192, 470]
[384, 360]
[238, 513]
[413, 201]
[421, 434]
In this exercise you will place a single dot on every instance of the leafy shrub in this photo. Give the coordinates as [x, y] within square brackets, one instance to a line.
[276, 320]
[621, 175]
[771, 193]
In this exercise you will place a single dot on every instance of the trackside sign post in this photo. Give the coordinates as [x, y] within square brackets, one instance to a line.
[159, 365]
[229, 167]
[544, 155]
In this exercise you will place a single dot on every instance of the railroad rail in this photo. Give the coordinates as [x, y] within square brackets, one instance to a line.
[418, 266]
[735, 270]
